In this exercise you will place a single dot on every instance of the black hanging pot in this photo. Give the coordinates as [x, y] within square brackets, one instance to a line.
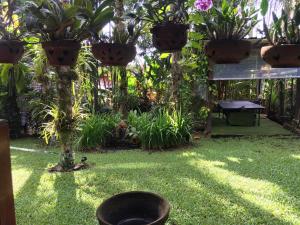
[134, 208]
[282, 56]
[114, 54]
[62, 52]
[169, 37]
[227, 51]
[11, 51]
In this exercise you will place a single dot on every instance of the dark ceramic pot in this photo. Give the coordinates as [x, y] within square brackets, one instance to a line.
[11, 51]
[134, 208]
[62, 53]
[281, 56]
[169, 37]
[113, 54]
[227, 51]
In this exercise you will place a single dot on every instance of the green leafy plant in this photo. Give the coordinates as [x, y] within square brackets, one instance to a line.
[229, 20]
[284, 29]
[97, 130]
[162, 12]
[163, 130]
[78, 20]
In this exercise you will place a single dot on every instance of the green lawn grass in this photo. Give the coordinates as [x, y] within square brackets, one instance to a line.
[217, 182]
[266, 128]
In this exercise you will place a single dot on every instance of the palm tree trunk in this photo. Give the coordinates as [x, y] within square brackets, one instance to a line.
[65, 122]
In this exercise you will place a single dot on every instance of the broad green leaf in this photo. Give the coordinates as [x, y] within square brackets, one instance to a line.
[264, 6]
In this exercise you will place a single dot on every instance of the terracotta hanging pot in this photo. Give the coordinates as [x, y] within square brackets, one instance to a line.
[62, 53]
[169, 37]
[281, 56]
[11, 51]
[113, 54]
[227, 51]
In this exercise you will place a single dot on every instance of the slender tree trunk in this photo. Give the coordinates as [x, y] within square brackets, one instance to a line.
[123, 109]
[65, 122]
[120, 26]
[176, 79]
[12, 109]
[95, 90]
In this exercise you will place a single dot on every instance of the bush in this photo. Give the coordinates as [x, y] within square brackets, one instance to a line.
[97, 130]
[162, 130]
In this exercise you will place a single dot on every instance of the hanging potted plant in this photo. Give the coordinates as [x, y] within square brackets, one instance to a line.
[11, 33]
[169, 31]
[284, 40]
[226, 24]
[118, 50]
[61, 27]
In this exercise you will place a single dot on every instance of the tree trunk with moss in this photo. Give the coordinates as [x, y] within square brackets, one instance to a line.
[176, 79]
[123, 98]
[64, 124]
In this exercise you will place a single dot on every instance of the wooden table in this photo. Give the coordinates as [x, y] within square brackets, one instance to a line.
[228, 107]
[7, 209]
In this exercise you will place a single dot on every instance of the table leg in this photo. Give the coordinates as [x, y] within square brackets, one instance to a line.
[259, 117]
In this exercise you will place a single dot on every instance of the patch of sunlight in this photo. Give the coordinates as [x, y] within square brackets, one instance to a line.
[20, 176]
[46, 191]
[206, 191]
[262, 193]
[234, 159]
[24, 149]
[131, 165]
[189, 154]
[296, 156]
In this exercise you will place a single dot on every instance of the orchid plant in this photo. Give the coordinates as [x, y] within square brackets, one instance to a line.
[285, 29]
[224, 20]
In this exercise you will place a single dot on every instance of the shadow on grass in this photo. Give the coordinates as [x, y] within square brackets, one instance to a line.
[196, 195]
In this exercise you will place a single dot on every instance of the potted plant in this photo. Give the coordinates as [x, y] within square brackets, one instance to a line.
[62, 27]
[169, 31]
[284, 40]
[118, 50]
[11, 34]
[226, 24]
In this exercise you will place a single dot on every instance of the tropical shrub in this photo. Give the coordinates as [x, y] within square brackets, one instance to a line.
[163, 129]
[227, 20]
[97, 131]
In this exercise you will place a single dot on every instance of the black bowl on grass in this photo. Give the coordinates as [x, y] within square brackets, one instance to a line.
[134, 208]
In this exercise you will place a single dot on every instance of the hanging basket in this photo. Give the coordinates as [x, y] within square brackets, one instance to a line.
[134, 208]
[113, 54]
[169, 37]
[11, 51]
[227, 51]
[281, 56]
[62, 53]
